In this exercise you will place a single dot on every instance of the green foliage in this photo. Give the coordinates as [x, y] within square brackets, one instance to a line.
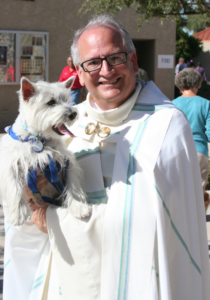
[147, 9]
[197, 22]
[187, 46]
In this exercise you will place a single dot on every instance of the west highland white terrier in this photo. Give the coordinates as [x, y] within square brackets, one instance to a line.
[33, 145]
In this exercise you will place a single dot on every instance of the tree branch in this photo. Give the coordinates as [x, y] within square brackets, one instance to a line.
[207, 7]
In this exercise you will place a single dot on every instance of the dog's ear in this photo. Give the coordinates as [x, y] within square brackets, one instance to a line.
[69, 82]
[27, 88]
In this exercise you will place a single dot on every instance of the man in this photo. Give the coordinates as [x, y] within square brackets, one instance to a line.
[146, 237]
[70, 71]
[180, 66]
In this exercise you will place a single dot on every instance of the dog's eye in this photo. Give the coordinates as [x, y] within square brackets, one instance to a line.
[51, 102]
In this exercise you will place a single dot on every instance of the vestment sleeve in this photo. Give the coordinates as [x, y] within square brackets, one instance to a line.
[77, 249]
[183, 264]
[26, 259]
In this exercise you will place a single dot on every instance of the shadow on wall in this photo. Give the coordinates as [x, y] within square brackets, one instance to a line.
[204, 59]
[145, 50]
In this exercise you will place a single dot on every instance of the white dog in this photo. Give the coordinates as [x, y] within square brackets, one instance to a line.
[32, 144]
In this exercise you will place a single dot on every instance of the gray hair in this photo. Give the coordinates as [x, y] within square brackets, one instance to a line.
[187, 79]
[101, 20]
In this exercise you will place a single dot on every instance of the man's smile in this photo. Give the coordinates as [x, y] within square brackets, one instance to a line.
[109, 82]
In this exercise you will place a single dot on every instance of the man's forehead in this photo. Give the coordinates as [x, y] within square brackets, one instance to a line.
[100, 41]
[99, 31]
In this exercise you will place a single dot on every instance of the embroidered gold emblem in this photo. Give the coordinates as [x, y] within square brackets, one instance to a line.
[103, 132]
[90, 128]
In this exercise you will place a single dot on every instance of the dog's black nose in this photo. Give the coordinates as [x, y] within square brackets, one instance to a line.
[72, 116]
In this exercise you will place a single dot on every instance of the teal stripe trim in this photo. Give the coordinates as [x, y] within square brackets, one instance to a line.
[86, 152]
[60, 292]
[177, 232]
[125, 250]
[38, 282]
[154, 108]
[82, 126]
[7, 263]
[8, 228]
[96, 197]
[157, 275]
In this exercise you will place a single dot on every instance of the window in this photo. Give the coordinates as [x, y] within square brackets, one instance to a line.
[36, 40]
[3, 55]
[23, 53]
[27, 50]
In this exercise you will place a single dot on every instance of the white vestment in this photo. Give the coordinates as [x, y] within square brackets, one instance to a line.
[149, 240]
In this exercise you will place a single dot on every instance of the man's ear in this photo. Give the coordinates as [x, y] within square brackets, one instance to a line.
[27, 88]
[69, 82]
[80, 74]
[135, 62]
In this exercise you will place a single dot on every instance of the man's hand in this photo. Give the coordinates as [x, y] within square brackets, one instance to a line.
[39, 218]
[41, 183]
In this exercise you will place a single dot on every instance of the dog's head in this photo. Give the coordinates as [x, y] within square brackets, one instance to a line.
[44, 107]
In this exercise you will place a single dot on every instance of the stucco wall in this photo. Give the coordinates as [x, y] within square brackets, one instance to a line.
[204, 58]
[60, 19]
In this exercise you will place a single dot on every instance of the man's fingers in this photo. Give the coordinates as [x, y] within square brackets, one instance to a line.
[39, 219]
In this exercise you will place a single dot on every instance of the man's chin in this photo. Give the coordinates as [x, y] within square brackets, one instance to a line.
[111, 101]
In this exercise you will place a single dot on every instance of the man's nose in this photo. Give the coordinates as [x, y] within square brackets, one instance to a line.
[105, 68]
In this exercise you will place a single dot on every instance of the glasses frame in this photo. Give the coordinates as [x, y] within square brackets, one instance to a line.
[105, 58]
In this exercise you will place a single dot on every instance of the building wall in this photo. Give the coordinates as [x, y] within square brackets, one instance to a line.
[61, 19]
[204, 58]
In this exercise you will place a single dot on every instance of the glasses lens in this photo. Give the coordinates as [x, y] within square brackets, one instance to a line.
[92, 65]
[116, 59]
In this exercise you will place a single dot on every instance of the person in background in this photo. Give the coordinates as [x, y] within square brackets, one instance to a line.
[180, 66]
[201, 71]
[142, 74]
[197, 111]
[76, 89]
[190, 64]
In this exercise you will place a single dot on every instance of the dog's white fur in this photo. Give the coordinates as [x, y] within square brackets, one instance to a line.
[16, 157]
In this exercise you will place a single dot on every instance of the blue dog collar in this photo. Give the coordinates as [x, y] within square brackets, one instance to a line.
[37, 143]
[50, 171]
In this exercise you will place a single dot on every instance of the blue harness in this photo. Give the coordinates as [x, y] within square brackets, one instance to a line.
[50, 171]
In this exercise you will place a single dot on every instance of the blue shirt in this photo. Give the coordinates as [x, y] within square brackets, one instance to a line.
[197, 111]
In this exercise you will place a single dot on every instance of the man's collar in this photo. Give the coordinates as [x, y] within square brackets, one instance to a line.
[113, 116]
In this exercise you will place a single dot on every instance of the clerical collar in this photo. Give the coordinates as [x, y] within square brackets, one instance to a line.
[112, 116]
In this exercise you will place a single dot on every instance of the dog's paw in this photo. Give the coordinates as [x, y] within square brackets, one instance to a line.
[80, 210]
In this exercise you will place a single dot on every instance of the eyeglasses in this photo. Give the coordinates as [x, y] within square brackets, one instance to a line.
[112, 60]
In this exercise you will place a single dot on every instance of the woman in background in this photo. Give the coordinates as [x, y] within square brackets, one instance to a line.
[197, 111]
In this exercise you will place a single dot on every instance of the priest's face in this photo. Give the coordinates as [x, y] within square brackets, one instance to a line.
[110, 86]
